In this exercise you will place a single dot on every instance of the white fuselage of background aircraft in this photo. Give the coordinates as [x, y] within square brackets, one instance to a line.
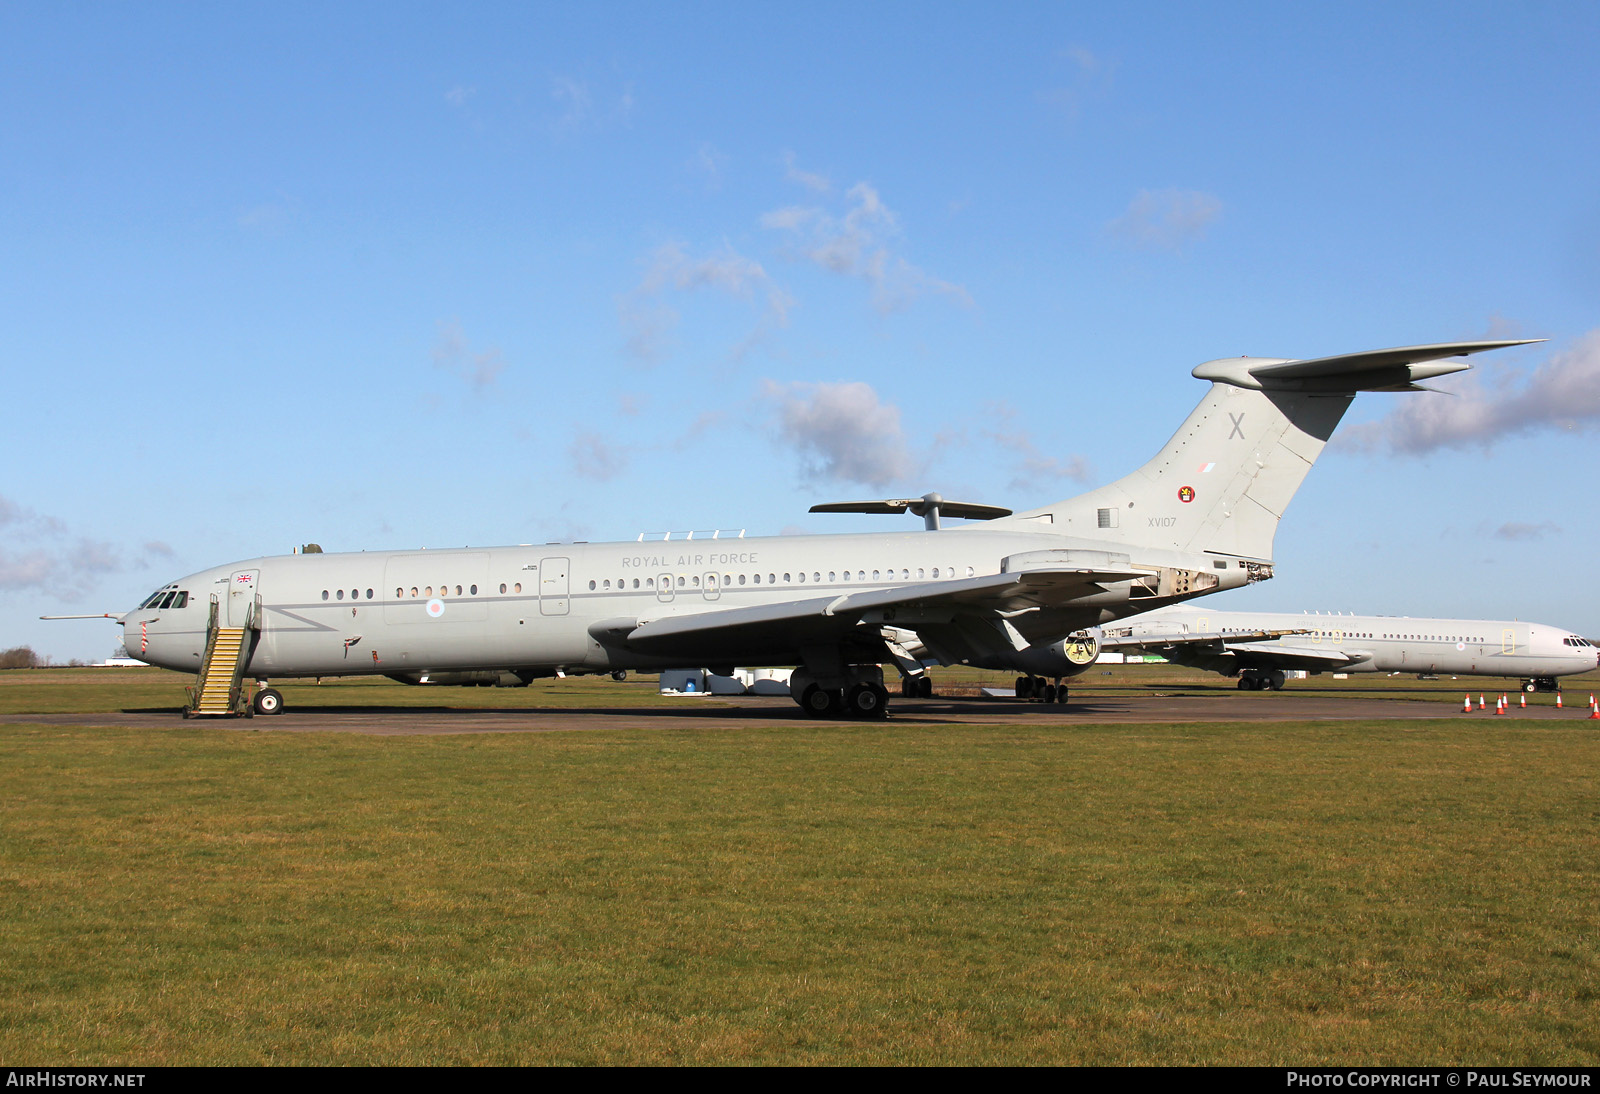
[1231, 643]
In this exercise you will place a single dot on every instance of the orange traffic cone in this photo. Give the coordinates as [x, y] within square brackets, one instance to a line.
[1480, 701]
[1524, 703]
[1466, 705]
[1497, 705]
[1594, 710]
[1558, 700]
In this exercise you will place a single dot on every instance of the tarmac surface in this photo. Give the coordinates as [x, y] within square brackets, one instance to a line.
[729, 713]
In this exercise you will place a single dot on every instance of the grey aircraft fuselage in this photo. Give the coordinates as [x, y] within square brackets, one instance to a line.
[541, 607]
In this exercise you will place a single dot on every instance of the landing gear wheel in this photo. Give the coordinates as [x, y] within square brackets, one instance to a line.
[1048, 693]
[925, 687]
[1061, 695]
[821, 702]
[268, 701]
[1024, 687]
[908, 687]
[1530, 687]
[867, 701]
[620, 675]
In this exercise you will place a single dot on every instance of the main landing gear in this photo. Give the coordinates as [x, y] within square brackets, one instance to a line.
[916, 687]
[1038, 689]
[1251, 680]
[1540, 683]
[862, 695]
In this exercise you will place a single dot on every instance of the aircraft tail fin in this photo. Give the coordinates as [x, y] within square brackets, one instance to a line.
[1223, 481]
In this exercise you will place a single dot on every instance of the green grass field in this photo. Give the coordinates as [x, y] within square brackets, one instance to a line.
[1345, 893]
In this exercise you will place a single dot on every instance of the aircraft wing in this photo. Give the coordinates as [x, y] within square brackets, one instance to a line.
[1155, 643]
[1249, 649]
[794, 623]
[1277, 655]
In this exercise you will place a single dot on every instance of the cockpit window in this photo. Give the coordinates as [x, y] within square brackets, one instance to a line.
[154, 598]
[166, 601]
[182, 601]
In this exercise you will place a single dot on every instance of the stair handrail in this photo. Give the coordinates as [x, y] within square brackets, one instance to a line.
[199, 686]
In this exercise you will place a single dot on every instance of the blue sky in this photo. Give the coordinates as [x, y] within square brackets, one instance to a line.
[384, 276]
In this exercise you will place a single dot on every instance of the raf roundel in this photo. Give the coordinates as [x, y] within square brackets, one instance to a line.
[435, 608]
[1186, 494]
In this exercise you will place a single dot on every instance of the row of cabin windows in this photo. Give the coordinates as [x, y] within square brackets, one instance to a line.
[400, 592]
[1356, 634]
[788, 579]
[904, 574]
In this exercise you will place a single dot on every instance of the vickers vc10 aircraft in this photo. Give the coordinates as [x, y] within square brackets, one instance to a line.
[1259, 647]
[1013, 592]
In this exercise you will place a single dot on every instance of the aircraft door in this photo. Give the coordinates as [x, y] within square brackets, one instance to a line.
[242, 588]
[1508, 641]
[664, 588]
[553, 586]
[711, 585]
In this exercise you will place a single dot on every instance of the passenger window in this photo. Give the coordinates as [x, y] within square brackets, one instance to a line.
[741, 579]
[324, 594]
[502, 586]
[413, 590]
[473, 590]
[787, 579]
[680, 582]
[517, 587]
[369, 594]
[802, 578]
[340, 595]
[832, 576]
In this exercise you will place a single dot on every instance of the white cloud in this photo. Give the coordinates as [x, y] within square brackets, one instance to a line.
[808, 179]
[648, 321]
[1166, 220]
[842, 432]
[452, 354]
[1088, 75]
[858, 244]
[580, 109]
[1492, 402]
[594, 458]
[1516, 530]
[37, 551]
[1033, 465]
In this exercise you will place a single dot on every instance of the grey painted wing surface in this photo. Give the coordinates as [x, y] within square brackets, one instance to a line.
[811, 619]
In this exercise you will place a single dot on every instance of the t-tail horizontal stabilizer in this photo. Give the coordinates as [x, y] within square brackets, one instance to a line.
[1396, 369]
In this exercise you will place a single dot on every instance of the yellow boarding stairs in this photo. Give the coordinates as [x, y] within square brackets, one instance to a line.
[219, 689]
